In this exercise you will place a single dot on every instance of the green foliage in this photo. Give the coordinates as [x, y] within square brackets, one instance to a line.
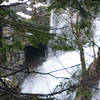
[80, 31]
[58, 4]
[61, 44]
[20, 27]
[40, 33]
[84, 91]
[3, 13]
[85, 7]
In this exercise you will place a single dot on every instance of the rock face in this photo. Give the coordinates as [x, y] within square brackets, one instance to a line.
[39, 16]
[31, 57]
[15, 61]
[35, 56]
[37, 13]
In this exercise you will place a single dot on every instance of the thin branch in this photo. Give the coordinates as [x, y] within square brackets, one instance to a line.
[59, 28]
[14, 72]
[61, 64]
[50, 94]
[3, 83]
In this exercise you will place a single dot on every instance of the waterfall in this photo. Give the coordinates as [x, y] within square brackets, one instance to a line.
[36, 83]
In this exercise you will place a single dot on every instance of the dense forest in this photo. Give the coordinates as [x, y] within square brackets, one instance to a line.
[26, 42]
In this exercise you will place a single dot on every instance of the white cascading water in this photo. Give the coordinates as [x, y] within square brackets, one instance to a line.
[45, 84]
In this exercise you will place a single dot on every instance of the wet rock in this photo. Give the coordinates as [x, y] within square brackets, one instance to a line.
[15, 61]
[35, 56]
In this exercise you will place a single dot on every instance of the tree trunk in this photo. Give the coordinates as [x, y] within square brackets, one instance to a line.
[83, 91]
[0, 36]
[82, 58]
[90, 80]
[0, 44]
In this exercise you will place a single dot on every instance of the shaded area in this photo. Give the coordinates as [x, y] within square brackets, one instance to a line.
[35, 56]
